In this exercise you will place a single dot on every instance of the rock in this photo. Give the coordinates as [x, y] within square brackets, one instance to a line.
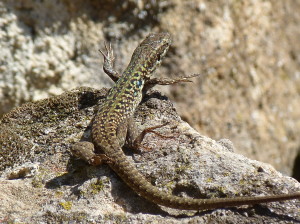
[187, 164]
[248, 52]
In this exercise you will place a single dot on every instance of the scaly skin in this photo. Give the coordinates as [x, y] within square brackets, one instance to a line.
[114, 121]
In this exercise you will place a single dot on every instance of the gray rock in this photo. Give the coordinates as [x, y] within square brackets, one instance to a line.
[186, 164]
[249, 51]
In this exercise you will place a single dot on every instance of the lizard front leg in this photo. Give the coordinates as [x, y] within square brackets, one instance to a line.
[108, 65]
[164, 81]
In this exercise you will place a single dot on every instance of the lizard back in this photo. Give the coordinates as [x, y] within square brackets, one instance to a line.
[126, 94]
[110, 126]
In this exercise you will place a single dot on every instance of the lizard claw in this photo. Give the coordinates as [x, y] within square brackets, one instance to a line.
[109, 54]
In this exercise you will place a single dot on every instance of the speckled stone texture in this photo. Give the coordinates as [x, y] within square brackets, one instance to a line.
[42, 183]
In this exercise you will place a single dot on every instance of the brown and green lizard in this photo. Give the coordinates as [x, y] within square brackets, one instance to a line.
[113, 125]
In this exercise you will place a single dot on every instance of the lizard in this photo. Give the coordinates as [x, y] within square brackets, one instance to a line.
[113, 127]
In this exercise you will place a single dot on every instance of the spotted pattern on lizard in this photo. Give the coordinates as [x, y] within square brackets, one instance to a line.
[113, 125]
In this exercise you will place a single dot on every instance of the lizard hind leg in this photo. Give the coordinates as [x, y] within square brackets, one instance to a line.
[134, 137]
[85, 151]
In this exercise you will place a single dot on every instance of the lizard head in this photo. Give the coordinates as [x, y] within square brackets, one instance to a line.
[149, 54]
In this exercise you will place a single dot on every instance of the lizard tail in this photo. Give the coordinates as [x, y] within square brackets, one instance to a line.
[132, 177]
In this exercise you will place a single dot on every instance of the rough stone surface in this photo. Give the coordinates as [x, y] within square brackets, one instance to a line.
[42, 183]
[248, 51]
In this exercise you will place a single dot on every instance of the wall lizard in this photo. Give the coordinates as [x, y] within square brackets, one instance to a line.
[113, 126]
